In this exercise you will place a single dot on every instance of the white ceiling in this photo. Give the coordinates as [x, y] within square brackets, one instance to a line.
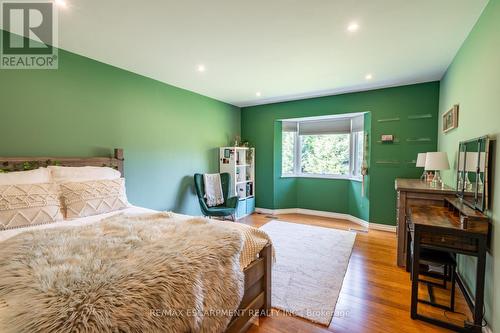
[286, 49]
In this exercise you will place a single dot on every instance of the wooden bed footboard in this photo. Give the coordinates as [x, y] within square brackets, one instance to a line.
[257, 296]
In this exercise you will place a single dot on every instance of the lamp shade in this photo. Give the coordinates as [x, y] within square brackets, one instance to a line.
[436, 161]
[421, 160]
[461, 161]
[482, 162]
[471, 161]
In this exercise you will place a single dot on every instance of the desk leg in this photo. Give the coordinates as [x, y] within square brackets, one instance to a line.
[414, 273]
[480, 273]
[408, 251]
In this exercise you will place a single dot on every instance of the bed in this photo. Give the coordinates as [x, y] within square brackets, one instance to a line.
[256, 298]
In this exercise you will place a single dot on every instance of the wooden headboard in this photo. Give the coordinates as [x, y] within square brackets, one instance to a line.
[9, 164]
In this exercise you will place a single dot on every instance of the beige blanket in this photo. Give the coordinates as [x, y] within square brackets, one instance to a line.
[254, 240]
[150, 273]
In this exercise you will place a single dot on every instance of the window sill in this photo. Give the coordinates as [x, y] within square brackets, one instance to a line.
[340, 177]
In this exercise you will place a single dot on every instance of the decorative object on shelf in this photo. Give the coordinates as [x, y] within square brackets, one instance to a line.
[421, 164]
[237, 140]
[250, 152]
[450, 119]
[246, 144]
[436, 161]
[389, 138]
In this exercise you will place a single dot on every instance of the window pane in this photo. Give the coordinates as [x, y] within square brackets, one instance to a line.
[325, 154]
[288, 152]
[359, 141]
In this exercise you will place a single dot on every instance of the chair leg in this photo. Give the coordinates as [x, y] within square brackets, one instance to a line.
[452, 295]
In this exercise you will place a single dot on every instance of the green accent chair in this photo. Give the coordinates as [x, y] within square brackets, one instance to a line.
[230, 205]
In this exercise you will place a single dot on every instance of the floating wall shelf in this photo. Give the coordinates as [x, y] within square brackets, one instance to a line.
[386, 162]
[388, 143]
[386, 120]
[420, 116]
[417, 140]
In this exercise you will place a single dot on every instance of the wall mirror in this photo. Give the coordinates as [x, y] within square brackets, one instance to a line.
[472, 172]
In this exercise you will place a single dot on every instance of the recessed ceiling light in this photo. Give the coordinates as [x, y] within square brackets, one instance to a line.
[368, 76]
[258, 94]
[353, 26]
[201, 68]
[61, 3]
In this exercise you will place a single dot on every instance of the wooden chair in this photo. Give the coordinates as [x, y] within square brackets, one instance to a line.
[437, 258]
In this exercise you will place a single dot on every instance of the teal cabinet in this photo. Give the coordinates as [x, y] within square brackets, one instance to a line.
[250, 205]
[242, 209]
[245, 207]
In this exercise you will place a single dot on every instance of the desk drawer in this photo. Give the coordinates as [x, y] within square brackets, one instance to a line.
[450, 241]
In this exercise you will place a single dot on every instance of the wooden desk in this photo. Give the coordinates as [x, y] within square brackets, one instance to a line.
[414, 193]
[440, 228]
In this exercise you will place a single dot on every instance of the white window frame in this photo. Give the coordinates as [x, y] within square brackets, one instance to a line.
[352, 155]
[297, 167]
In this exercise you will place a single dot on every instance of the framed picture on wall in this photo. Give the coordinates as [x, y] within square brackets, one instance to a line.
[450, 119]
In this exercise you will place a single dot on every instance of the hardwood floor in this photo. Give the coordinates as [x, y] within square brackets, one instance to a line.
[375, 296]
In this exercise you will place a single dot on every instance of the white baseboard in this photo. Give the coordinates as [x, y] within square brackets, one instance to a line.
[382, 227]
[348, 217]
[487, 329]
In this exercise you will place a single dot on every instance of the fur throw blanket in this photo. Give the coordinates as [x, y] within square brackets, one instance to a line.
[149, 273]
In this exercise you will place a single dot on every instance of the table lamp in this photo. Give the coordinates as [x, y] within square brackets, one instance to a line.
[436, 161]
[421, 164]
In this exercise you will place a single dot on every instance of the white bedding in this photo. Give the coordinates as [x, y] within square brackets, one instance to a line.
[254, 239]
[132, 210]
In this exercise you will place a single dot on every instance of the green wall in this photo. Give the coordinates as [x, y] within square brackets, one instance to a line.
[87, 108]
[391, 111]
[473, 81]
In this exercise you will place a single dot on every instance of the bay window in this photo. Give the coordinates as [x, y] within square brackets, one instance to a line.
[327, 147]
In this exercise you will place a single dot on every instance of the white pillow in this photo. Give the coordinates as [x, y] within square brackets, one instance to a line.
[82, 174]
[37, 176]
[93, 197]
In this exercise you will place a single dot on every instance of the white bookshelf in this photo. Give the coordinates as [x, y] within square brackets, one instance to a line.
[239, 162]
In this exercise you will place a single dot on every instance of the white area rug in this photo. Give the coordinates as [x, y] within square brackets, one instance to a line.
[310, 266]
